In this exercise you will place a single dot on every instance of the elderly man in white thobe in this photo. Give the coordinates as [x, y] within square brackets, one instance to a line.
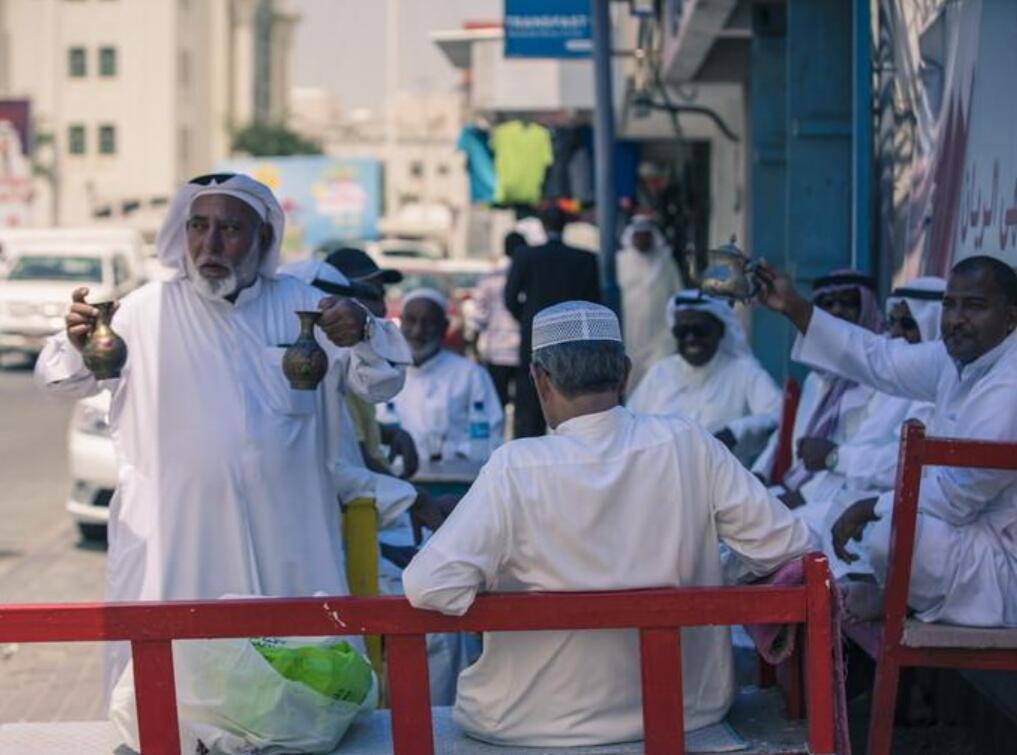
[965, 557]
[713, 379]
[609, 500]
[449, 404]
[228, 478]
[840, 425]
[647, 278]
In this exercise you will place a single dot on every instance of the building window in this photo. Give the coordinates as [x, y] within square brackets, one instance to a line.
[107, 61]
[107, 140]
[76, 139]
[77, 65]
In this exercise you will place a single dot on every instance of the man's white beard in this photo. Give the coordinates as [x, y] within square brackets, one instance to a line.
[240, 276]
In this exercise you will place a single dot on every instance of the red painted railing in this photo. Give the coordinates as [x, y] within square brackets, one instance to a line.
[657, 614]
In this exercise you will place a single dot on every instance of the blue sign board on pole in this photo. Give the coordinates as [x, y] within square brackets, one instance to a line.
[547, 29]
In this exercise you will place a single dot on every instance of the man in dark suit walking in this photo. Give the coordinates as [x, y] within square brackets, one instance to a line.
[541, 276]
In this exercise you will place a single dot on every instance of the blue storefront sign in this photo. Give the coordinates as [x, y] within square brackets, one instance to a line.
[547, 29]
[324, 198]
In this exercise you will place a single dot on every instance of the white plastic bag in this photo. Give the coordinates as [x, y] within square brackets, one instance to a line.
[231, 701]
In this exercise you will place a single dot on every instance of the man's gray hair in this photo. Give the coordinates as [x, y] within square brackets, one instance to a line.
[581, 367]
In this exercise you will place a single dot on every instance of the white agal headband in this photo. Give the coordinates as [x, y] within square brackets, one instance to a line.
[574, 321]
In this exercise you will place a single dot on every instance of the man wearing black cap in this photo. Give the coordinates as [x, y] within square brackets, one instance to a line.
[368, 283]
[364, 273]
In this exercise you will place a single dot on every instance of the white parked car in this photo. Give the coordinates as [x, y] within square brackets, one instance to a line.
[45, 265]
[93, 466]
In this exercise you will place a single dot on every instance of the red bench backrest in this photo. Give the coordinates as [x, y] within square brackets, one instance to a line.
[657, 614]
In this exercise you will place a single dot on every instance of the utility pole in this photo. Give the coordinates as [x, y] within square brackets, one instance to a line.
[603, 152]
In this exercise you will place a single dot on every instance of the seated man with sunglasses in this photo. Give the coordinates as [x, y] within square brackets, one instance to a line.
[840, 425]
[228, 477]
[913, 314]
[713, 379]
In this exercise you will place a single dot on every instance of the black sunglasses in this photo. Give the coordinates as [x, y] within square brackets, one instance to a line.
[695, 330]
[210, 178]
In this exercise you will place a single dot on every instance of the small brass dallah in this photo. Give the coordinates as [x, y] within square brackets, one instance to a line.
[729, 273]
[105, 353]
[304, 361]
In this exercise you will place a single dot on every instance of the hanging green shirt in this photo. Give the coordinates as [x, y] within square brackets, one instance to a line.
[522, 154]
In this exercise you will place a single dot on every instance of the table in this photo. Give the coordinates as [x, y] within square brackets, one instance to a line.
[446, 476]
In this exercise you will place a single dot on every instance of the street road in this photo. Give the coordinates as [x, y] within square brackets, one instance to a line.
[41, 558]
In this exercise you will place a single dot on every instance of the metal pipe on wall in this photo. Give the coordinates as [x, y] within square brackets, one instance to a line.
[862, 253]
[603, 152]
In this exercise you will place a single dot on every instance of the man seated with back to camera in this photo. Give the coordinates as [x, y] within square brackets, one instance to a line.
[610, 500]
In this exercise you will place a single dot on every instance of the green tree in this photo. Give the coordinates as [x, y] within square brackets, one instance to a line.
[272, 140]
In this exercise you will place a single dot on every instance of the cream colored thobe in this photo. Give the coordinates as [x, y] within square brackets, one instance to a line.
[609, 501]
[437, 401]
[965, 563]
[646, 280]
[732, 392]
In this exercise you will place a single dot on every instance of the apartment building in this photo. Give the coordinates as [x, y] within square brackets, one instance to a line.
[139, 94]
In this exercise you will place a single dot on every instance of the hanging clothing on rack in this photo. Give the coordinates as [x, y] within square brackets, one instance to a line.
[473, 141]
[522, 154]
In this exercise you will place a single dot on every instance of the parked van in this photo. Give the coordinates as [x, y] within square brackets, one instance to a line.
[44, 265]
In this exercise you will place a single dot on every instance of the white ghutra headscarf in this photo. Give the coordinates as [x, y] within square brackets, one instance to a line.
[734, 343]
[171, 241]
[924, 297]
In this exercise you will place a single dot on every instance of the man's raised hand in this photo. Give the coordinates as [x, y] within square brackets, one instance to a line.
[342, 320]
[777, 292]
[80, 318]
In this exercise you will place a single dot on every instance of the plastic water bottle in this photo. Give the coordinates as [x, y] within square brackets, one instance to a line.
[480, 432]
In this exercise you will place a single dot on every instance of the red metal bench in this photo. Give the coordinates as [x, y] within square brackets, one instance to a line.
[898, 642]
[657, 614]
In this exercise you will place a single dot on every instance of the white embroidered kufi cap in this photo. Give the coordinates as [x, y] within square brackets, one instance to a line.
[574, 321]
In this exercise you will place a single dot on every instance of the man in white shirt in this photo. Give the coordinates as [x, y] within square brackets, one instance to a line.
[227, 476]
[444, 393]
[609, 500]
[713, 379]
[965, 560]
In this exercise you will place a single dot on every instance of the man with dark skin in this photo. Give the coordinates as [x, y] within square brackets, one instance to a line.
[713, 379]
[698, 335]
[962, 555]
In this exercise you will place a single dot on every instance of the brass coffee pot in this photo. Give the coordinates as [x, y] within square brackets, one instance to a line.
[304, 361]
[729, 273]
[105, 353]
